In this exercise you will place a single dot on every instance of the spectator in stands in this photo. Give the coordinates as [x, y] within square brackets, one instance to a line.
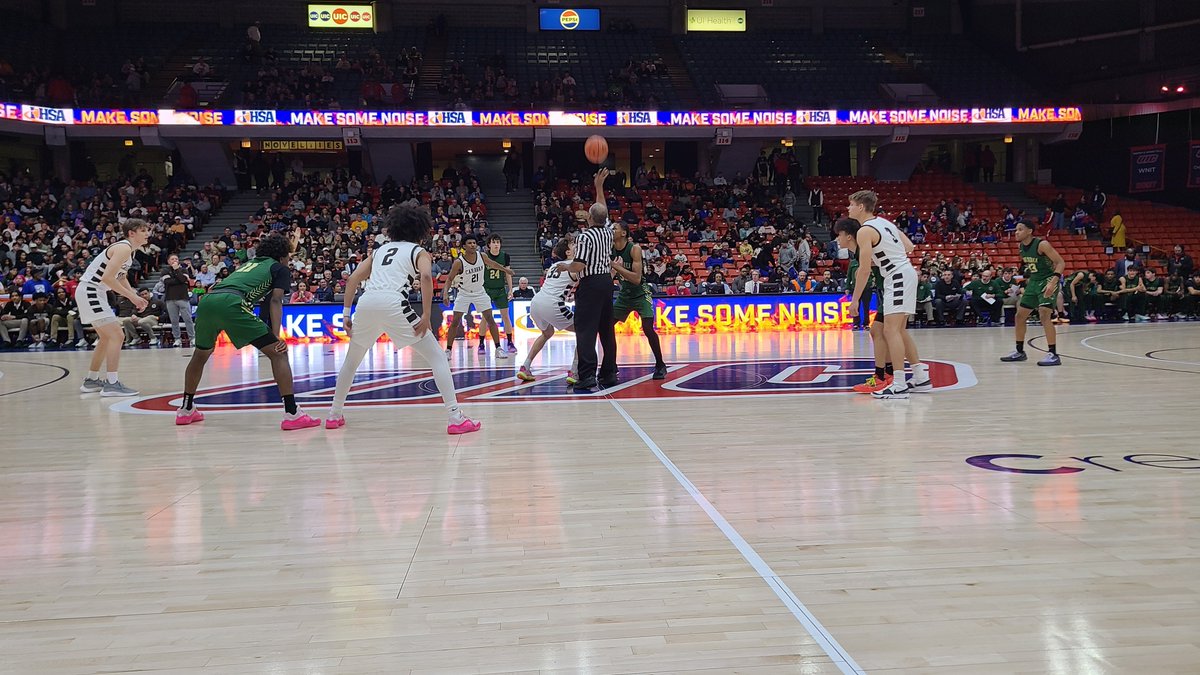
[177, 299]
[1117, 230]
[523, 291]
[987, 161]
[64, 314]
[754, 285]
[680, 287]
[1180, 263]
[37, 284]
[987, 296]
[14, 315]
[1098, 200]
[302, 296]
[924, 300]
[948, 294]
[1058, 207]
[39, 320]
[145, 320]
[1130, 261]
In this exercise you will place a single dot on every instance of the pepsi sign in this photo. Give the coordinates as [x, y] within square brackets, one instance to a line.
[569, 19]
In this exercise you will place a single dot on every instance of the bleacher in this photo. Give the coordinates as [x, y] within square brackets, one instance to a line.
[82, 54]
[816, 71]
[295, 47]
[921, 195]
[962, 73]
[530, 57]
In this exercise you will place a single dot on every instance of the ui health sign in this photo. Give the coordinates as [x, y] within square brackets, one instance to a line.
[341, 16]
[716, 21]
[1147, 168]
[569, 19]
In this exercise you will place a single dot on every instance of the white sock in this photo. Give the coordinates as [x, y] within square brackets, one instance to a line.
[899, 381]
[920, 372]
[112, 378]
[93, 375]
[455, 413]
[528, 363]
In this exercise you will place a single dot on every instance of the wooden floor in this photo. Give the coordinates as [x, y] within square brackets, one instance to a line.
[745, 516]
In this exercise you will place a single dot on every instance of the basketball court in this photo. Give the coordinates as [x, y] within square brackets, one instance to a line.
[748, 514]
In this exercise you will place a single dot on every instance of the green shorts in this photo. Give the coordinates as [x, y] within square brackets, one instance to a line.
[227, 312]
[499, 296]
[641, 304]
[1034, 296]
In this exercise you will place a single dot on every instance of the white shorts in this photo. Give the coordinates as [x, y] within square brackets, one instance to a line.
[374, 316]
[463, 302]
[94, 309]
[554, 315]
[899, 291]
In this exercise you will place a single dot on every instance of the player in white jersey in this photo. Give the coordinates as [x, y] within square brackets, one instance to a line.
[549, 309]
[107, 273]
[393, 271]
[466, 275]
[883, 245]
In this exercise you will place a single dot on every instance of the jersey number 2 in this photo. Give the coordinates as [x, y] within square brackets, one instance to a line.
[387, 259]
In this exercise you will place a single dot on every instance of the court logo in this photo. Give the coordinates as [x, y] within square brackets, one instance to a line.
[498, 385]
[569, 19]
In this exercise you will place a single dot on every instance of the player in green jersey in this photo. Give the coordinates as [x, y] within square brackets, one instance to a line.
[229, 307]
[884, 373]
[635, 294]
[498, 285]
[1043, 269]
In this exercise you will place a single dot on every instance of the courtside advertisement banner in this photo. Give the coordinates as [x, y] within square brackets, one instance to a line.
[536, 118]
[1193, 179]
[1147, 168]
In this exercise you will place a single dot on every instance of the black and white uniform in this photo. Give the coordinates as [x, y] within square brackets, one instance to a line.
[92, 293]
[470, 287]
[549, 307]
[899, 293]
[384, 306]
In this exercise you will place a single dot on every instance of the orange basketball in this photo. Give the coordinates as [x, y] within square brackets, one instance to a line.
[596, 149]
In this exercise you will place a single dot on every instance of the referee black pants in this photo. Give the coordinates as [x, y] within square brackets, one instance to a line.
[594, 316]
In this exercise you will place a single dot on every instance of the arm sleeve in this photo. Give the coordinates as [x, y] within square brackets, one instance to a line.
[281, 277]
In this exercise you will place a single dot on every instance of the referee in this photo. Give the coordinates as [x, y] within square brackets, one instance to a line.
[594, 296]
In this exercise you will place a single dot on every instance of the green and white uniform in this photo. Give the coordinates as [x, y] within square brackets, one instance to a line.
[229, 306]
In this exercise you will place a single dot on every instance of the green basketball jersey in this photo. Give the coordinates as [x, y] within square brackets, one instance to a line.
[1152, 285]
[1037, 267]
[255, 279]
[630, 290]
[875, 281]
[494, 279]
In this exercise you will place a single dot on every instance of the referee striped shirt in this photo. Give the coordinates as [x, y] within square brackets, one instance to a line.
[593, 248]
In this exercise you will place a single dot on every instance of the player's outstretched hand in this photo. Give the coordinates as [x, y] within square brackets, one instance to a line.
[602, 174]
[421, 326]
[140, 303]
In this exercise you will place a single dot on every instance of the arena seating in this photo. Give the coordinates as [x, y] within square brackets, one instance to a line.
[923, 193]
[1157, 225]
[962, 73]
[590, 58]
[290, 47]
[815, 71]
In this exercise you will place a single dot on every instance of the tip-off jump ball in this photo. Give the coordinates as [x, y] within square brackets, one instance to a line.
[596, 149]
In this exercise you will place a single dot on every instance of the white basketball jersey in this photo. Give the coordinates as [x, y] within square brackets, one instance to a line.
[555, 286]
[394, 268]
[471, 279]
[95, 270]
[889, 253]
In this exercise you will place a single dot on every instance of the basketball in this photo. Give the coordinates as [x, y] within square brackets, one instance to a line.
[596, 149]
